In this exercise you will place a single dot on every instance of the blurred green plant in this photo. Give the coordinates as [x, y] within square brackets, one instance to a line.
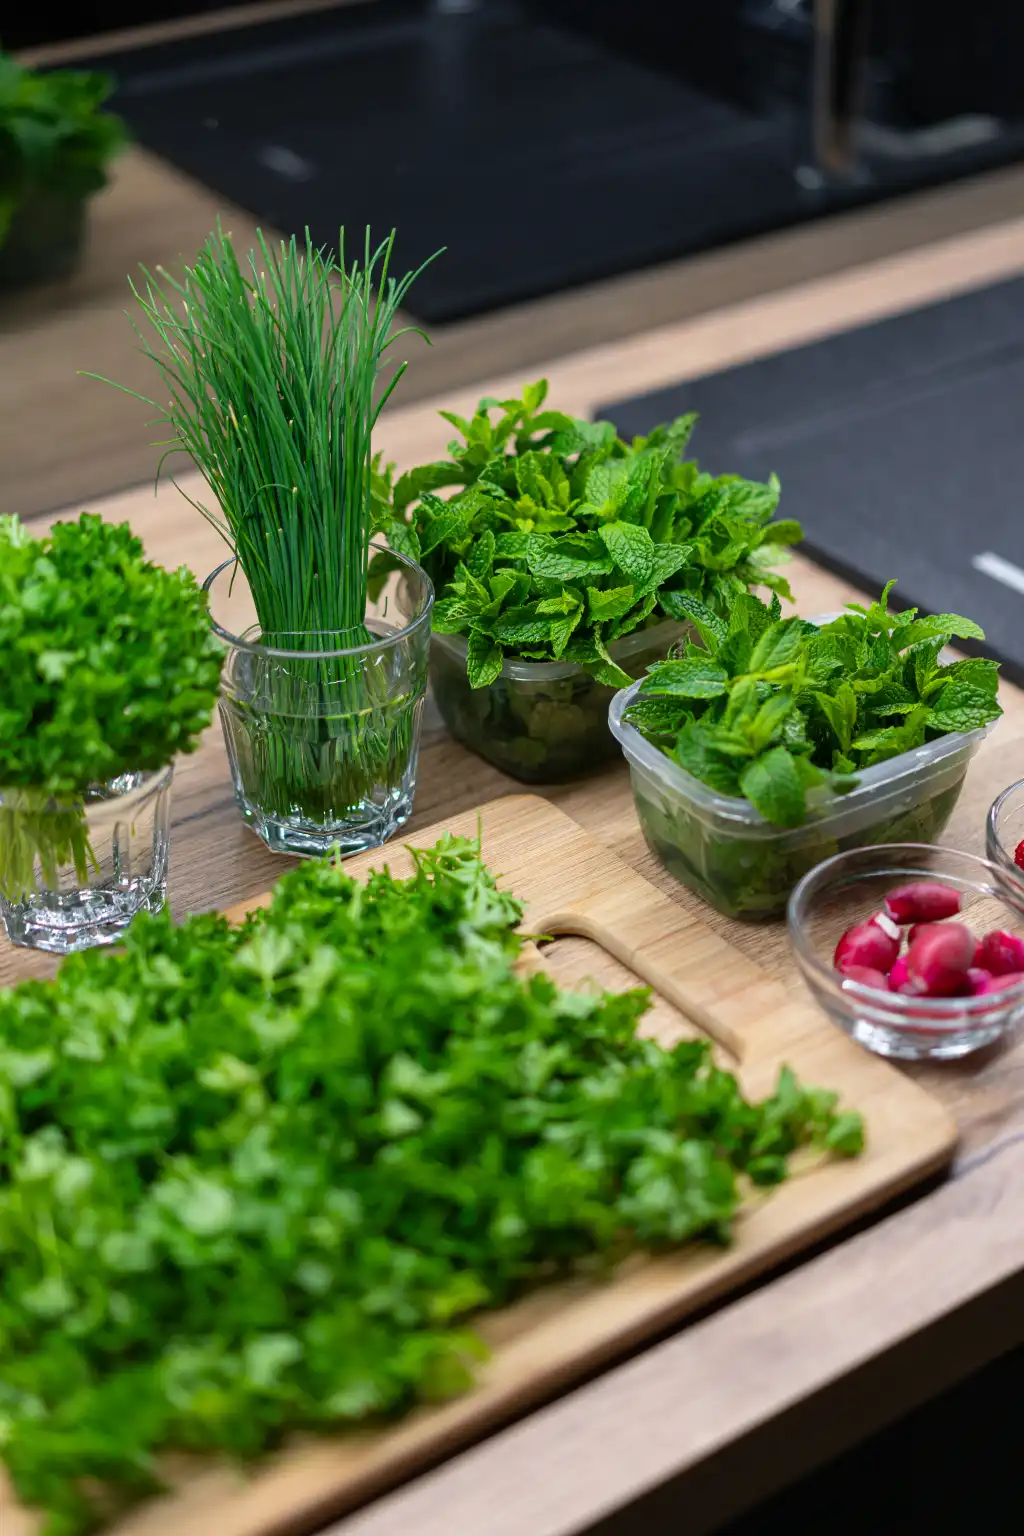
[55, 138]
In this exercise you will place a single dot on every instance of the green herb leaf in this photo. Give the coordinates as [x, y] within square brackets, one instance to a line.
[688, 679]
[483, 660]
[775, 788]
[632, 549]
[961, 706]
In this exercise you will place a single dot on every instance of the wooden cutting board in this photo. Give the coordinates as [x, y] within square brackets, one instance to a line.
[573, 886]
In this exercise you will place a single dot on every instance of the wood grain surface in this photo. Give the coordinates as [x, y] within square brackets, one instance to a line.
[573, 885]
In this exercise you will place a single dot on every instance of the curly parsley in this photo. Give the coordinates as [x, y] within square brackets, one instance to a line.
[110, 664]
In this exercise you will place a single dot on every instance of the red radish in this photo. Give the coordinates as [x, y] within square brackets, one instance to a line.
[1000, 983]
[923, 901]
[1018, 854]
[866, 944]
[978, 979]
[1001, 953]
[919, 928]
[867, 977]
[899, 976]
[938, 961]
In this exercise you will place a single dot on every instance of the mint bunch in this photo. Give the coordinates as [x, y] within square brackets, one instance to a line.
[562, 539]
[256, 1181]
[769, 709]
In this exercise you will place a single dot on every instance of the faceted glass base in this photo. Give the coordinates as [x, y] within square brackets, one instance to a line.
[74, 874]
[369, 825]
[96, 918]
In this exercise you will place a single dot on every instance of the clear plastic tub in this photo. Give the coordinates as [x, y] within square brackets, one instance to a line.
[539, 721]
[722, 849]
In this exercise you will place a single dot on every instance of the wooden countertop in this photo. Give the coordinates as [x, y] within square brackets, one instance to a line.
[719, 1414]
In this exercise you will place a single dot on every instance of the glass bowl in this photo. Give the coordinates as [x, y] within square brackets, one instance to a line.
[849, 889]
[1004, 829]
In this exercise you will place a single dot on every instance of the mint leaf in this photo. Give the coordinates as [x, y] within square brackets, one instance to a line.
[534, 395]
[452, 615]
[684, 606]
[481, 557]
[840, 710]
[772, 715]
[515, 546]
[612, 604]
[483, 660]
[608, 486]
[562, 631]
[963, 707]
[688, 679]
[784, 531]
[659, 718]
[428, 477]
[696, 752]
[757, 503]
[632, 549]
[977, 671]
[778, 646]
[557, 560]
[944, 626]
[775, 788]
[521, 626]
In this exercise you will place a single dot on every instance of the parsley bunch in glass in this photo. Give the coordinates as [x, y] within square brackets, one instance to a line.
[110, 667]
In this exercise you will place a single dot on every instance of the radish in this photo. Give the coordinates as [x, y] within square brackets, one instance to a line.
[867, 976]
[1018, 854]
[1000, 983]
[900, 977]
[923, 901]
[938, 960]
[1001, 953]
[866, 944]
[978, 979]
[920, 928]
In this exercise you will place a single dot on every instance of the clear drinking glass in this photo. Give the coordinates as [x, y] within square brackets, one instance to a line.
[73, 873]
[323, 740]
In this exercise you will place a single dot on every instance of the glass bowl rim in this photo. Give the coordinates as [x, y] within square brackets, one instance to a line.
[992, 826]
[946, 1009]
[373, 647]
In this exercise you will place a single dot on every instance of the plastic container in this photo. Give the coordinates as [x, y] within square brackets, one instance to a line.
[722, 849]
[539, 721]
[851, 888]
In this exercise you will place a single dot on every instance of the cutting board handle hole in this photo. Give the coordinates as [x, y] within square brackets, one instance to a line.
[671, 988]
